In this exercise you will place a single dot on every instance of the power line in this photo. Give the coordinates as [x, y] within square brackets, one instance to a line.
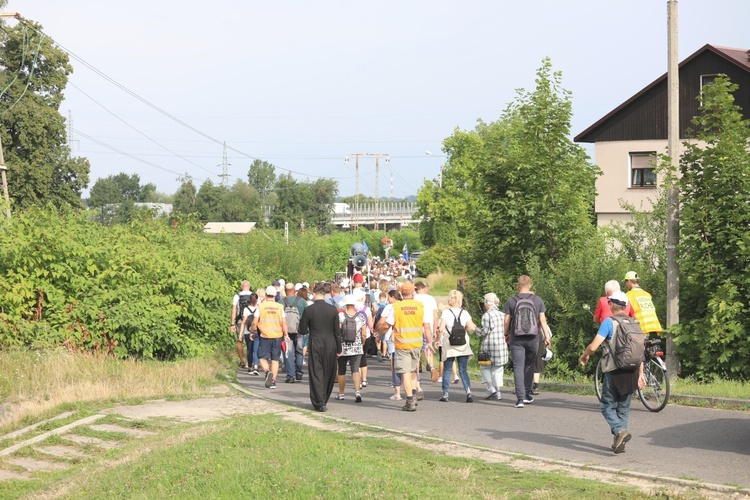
[139, 132]
[155, 107]
[131, 156]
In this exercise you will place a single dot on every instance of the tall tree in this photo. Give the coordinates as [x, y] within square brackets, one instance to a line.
[185, 197]
[304, 204]
[240, 203]
[714, 239]
[118, 188]
[40, 167]
[262, 176]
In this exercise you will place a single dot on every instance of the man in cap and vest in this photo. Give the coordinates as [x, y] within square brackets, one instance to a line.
[643, 307]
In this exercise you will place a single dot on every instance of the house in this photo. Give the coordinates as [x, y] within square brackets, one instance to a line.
[627, 139]
[229, 227]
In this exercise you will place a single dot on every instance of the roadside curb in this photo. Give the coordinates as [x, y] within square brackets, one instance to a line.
[672, 397]
[651, 478]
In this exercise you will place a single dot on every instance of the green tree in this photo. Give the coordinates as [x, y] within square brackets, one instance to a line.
[304, 204]
[714, 239]
[240, 203]
[40, 167]
[118, 188]
[185, 197]
[262, 176]
[208, 201]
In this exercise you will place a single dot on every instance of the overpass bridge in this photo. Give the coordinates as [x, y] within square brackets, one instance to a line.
[388, 215]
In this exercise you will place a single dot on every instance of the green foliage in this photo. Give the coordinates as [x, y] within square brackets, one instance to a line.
[185, 197]
[304, 204]
[141, 289]
[262, 177]
[715, 242]
[439, 259]
[34, 76]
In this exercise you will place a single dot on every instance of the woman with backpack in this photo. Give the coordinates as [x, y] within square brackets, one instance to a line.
[251, 338]
[353, 335]
[454, 325]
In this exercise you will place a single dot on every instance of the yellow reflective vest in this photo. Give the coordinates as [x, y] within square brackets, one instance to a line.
[644, 310]
[270, 315]
[407, 327]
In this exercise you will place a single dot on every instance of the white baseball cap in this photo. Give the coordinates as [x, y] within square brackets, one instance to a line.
[547, 355]
[271, 291]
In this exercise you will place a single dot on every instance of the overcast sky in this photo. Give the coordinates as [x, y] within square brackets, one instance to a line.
[301, 84]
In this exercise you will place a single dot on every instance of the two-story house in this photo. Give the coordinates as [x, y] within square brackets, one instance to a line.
[627, 139]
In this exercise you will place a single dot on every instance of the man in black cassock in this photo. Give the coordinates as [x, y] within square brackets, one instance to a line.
[321, 321]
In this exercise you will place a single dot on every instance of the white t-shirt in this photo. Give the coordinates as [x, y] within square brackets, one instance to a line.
[452, 351]
[236, 299]
[430, 306]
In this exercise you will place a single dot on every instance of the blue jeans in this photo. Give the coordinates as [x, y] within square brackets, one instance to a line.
[252, 346]
[615, 407]
[463, 362]
[293, 358]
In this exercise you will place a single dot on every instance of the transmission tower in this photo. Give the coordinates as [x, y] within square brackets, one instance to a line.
[224, 167]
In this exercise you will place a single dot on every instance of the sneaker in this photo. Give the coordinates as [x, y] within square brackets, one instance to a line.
[321, 408]
[455, 380]
[273, 385]
[439, 380]
[528, 400]
[357, 397]
[444, 397]
[469, 399]
[493, 395]
[420, 395]
[364, 383]
[519, 404]
[535, 389]
[289, 380]
[395, 397]
[409, 406]
[269, 380]
[619, 445]
[298, 376]
[255, 372]
[339, 397]
[380, 357]
[434, 374]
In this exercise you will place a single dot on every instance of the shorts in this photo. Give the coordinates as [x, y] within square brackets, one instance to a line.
[406, 361]
[353, 363]
[363, 361]
[269, 348]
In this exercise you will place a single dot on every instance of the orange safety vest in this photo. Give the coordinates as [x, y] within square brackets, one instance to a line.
[270, 315]
[644, 310]
[408, 328]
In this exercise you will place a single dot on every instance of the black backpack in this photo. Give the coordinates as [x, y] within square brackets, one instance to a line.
[525, 317]
[349, 329]
[457, 335]
[626, 349]
[291, 313]
[244, 302]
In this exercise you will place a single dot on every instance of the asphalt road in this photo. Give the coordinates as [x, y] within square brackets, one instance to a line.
[689, 443]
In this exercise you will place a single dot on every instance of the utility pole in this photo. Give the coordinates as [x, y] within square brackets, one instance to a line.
[3, 167]
[673, 144]
[224, 167]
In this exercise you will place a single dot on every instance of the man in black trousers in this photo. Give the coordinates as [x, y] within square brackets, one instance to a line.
[321, 321]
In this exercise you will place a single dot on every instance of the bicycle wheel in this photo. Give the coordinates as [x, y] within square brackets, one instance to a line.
[655, 393]
[598, 380]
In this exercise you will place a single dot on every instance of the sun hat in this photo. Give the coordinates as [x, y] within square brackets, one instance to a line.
[349, 300]
[297, 287]
[619, 298]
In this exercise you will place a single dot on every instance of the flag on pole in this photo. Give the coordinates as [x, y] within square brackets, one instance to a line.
[405, 250]
[364, 244]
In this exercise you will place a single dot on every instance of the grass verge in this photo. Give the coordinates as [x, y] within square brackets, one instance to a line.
[441, 283]
[267, 456]
[34, 382]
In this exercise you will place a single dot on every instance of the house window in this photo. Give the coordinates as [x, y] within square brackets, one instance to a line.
[706, 79]
[642, 170]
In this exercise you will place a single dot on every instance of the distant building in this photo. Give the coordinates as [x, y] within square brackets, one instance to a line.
[628, 138]
[229, 227]
[159, 208]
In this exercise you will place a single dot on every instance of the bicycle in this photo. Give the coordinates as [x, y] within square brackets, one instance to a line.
[655, 393]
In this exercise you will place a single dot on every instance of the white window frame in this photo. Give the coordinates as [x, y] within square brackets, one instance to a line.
[712, 76]
[651, 154]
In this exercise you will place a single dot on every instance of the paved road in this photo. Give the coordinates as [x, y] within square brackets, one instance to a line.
[689, 443]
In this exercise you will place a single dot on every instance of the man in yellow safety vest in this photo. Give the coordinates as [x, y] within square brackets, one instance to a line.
[643, 307]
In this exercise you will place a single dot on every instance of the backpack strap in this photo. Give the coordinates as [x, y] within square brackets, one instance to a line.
[296, 301]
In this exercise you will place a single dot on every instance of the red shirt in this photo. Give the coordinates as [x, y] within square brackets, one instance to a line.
[603, 310]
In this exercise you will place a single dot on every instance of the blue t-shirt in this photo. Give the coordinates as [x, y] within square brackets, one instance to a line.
[606, 329]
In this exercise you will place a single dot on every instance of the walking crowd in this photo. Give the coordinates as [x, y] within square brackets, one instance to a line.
[325, 330]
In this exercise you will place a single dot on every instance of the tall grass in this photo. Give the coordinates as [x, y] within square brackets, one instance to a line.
[442, 283]
[35, 381]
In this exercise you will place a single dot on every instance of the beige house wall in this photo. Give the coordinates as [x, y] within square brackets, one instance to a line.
[613, 186]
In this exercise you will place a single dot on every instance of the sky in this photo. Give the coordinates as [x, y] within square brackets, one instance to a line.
[303, 84]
